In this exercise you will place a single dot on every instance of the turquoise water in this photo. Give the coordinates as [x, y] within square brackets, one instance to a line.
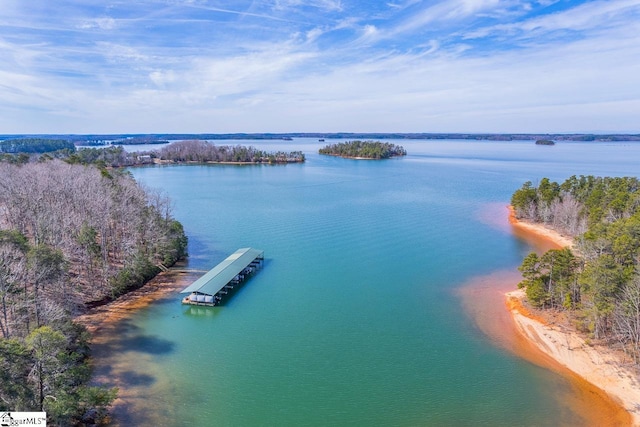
[354, 319]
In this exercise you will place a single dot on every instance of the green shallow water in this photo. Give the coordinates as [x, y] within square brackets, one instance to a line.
[354, 319]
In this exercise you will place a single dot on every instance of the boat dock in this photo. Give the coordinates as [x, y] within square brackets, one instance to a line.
[211, 288]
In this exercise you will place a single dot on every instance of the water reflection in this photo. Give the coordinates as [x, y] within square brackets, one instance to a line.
[201, 311]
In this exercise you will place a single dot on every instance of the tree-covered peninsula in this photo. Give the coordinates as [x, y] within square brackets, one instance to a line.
[70, 235]
[598, 285]
[198, 151]
[191, 151]
[364, 150]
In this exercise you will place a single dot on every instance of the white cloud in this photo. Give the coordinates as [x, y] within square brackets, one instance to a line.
[104, 23]
[313, 34]
[589, 16]
[450, 10]
[369, 31]
[546, 3]
[402, 5]
[341, 72]
[162, 78]
[329, 5]
[121, 53]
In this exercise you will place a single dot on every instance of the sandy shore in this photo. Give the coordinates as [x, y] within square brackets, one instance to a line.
[598, 365]
[529, 230]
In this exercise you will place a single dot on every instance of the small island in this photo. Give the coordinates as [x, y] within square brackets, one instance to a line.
[545, 142]
[364, 150]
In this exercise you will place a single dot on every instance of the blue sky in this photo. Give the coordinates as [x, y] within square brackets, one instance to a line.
[194, 66]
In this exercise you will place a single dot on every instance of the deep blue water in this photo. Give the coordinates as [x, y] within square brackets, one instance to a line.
[354, 319]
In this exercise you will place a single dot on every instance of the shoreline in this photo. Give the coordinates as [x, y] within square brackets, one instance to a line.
[527, 230]
[359, 157]
[161, 162]
[600, 366]
[164, 283]
[611, 390]
[104, 323]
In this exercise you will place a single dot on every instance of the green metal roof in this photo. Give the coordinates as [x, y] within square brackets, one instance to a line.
[216, 278]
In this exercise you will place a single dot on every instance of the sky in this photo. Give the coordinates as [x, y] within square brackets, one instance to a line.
[221, 66]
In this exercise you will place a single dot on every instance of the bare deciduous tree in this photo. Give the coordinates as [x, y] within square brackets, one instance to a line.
[100, 223]
[627, 318]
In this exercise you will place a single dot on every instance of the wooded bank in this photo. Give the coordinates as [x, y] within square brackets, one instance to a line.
[600, 287]
[190, 151]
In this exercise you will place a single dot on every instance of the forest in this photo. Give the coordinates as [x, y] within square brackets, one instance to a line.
[71, 235]
[202, 152]
[364, 149]
[191, 151]
[598, 282]
[111, 156]
[34, 145]
[114, 156]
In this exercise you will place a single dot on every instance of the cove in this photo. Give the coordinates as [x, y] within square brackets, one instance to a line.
[355, 317]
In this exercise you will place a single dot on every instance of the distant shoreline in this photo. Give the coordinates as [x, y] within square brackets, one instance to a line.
[124, 139]
[598, 365]
[174, 163]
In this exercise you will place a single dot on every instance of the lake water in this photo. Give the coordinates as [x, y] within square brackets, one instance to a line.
[354, 319]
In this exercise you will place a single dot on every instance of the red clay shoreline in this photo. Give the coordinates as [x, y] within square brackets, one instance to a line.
[97, 319]
[593, 368]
